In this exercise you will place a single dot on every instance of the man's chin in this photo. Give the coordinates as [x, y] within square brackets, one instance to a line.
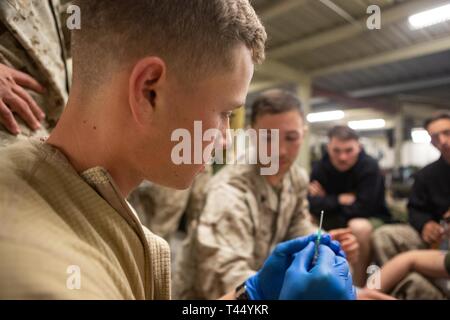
[343, 169]
[284, 167]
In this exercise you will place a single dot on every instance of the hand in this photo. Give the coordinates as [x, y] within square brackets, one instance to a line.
[266, 283]
[348, 242]
[316, 189]
[328, 279]
[432, 232]
[447, 214]
[15, 99]
[347, 199]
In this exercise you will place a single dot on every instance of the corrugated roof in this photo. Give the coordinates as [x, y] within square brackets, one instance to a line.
[308, 36]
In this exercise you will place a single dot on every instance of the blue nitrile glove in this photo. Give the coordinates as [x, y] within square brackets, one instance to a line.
[328, 279]
[267, 282]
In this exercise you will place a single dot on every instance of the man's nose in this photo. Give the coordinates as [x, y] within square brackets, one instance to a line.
[342, 157]
[282, 149]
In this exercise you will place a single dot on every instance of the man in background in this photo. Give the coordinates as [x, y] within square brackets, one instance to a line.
[348, 186]
[247, 214]
[429, 212]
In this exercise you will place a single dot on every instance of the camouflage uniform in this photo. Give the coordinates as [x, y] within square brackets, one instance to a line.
[390, 240]
[53, 217]
[161, 208]
[32, 41]
[243, 219]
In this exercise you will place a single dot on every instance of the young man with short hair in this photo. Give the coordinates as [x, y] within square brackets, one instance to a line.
[141, 69]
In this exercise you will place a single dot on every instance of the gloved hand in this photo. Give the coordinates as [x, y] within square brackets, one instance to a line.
[266, 284]
[328, 279]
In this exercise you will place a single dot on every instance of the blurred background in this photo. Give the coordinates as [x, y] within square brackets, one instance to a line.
[380, 66]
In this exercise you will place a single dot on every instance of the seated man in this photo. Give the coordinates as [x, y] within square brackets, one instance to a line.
[429, 203]
[247, 214]
[66, 230]
[348, 186]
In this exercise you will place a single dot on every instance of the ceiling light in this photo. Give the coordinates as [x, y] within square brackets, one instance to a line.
[430, 17]
[420, 135]
[367, 124]
[325, 116]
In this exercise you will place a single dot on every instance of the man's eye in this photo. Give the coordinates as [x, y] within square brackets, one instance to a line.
[291, 139]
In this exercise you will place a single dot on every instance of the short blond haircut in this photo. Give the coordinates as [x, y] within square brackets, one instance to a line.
[194, 37]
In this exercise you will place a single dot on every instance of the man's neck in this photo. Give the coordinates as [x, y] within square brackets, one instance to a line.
[275, 180]
[86, 144]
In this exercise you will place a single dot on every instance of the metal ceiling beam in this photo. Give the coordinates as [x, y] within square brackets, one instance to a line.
[281, 71]
[278, 8]
[338, 10]
[436, 102]
[348, 101]
[388, 16]
[417, 50]
[400, 87]
[354, 99]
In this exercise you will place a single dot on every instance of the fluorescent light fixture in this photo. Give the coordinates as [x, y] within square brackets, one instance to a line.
[325, 116]
[420, 135]
[367, 124]
[430, 17]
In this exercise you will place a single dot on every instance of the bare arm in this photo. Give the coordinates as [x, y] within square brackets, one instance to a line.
[229, 296]
[430, 263]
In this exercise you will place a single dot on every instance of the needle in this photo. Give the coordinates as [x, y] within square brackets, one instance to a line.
[319, 235]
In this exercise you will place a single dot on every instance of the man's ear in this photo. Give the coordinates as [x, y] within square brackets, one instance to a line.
[145, 80]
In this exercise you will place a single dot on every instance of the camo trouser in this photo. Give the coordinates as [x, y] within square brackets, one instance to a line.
[390, 240]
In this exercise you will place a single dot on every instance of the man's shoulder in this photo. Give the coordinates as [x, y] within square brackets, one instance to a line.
[299, 177]
[26, 191]
[429, 171]
[368, 164]
[20, 162]
[17, 162]
[228, 193]
[239, 177]
[321, 167]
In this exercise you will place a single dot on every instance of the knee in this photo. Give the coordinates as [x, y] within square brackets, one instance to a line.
[384, 234]
[361, 228]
